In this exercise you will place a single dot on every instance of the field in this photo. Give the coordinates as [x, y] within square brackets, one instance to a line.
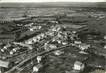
[98, 15]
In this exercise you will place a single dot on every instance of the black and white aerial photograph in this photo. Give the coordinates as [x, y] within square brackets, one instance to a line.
[52, 36]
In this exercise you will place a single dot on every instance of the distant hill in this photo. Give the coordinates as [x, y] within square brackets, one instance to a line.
[56, 4]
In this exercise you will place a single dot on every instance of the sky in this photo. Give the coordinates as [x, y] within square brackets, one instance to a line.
[52, 0]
